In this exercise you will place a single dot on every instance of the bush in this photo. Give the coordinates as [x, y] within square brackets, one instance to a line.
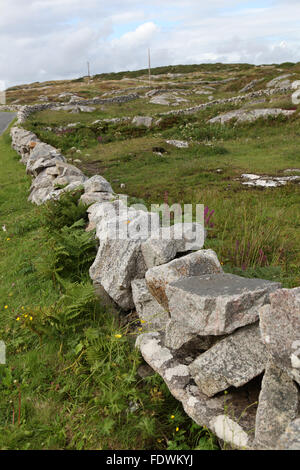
[64, 212]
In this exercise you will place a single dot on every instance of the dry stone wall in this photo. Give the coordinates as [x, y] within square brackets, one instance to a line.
[205, 332]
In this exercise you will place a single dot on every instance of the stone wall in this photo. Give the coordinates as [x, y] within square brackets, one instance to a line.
[227, 347]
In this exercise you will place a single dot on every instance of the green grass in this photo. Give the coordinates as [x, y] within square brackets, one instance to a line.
[71, 379]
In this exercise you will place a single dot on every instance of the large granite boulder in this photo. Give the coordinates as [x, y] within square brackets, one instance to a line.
[217, 304]
[233, 361]
[195, 264]
[119, 260]
[280, 330]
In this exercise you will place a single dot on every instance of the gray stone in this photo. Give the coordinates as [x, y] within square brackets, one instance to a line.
[290, 439]
[43, 163]
[97, 184]
[152, 314]
[251, 85]
[91, 198]
[209, 412]
[233, 361]
[195, 264]
[277, 406]
[143, 121]
[100, 210]
[178, 334]
[119, 259]
[165, 243]
[250, 115]
[217, 304]
[280, 330]
[276, 82]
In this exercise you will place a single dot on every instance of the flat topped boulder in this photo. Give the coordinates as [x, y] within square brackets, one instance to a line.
[199, 263]
[217, 304]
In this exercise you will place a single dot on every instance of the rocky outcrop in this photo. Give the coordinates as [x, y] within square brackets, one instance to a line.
[249, 115]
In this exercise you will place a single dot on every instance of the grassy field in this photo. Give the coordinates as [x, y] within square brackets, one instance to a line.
[256, 231]
[71, 378]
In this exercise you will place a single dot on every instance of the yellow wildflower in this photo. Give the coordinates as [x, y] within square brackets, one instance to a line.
[118, 336]
[6, 306]
[177, 429]
[172, 417]
[18, 319]
[8, 239]
[30, 318]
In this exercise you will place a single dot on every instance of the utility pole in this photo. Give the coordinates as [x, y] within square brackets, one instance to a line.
[89, 72]
[149, 66]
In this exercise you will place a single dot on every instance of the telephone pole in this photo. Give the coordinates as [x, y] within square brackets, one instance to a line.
[89, 72]
[149, 66]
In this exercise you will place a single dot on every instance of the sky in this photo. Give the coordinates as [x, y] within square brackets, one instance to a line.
[54, 39]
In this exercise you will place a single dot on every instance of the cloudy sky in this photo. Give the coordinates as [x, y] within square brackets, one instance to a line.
[54, 39]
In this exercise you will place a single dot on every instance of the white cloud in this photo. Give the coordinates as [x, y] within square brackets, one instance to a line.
[49, 39]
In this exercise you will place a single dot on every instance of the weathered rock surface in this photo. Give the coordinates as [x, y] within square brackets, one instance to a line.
[277, 406]
[242, 115]
[290, 439]
[97, 184]
[119, 259]
[195, 264]
[217, 304]
[148, 309]
[267, 181]
[104, 210]
[234, 361]
[92, 198]
[280, 330]
[205, 411]
[143, 121]
[279, 81]
[165, 243]
[179, 334]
